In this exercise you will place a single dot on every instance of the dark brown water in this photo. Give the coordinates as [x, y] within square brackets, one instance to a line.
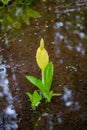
[63, 25]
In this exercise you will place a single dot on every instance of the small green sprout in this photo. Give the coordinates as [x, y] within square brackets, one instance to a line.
[43, 85]
[35, 98]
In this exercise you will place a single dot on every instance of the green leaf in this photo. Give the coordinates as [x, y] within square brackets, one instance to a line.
[5, 2]
[38, 83]
[29, 95]
[26, 19]
[48, 75]
[50, 95]
[35, 99]
[10, 19]
[32, 13]
[17, 25]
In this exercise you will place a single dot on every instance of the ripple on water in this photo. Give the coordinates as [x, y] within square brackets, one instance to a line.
[8, 114]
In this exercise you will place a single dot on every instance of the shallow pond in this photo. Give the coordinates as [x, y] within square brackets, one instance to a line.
[63, 25]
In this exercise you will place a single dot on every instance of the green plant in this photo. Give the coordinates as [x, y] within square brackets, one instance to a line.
[5, 2]
[43, 85]
[21, 15]
[15, 13]
[17, 2]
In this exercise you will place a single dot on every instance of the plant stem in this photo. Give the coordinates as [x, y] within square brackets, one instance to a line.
[43, 77]
[56, 94]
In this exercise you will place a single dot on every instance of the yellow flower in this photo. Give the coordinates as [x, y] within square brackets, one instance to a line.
[42, 57]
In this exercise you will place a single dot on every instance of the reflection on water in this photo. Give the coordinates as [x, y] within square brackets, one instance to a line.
[59, 118]
[69, 99]
[8, 113]
[61, 39]
[70, 29]
[48, 122]
[79, 48]
[51, 120]
[58, 25]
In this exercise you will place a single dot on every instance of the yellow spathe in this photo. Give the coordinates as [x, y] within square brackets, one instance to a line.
[42, 57]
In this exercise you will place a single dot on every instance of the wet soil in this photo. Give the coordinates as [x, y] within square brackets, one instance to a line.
[63, 25]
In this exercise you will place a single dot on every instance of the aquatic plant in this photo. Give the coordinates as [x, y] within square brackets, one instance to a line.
[13, 14]
[5, 2]
[21, 16]
[43, 85]
[17, 2]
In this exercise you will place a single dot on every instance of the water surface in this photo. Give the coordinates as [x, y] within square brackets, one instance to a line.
[63, 26]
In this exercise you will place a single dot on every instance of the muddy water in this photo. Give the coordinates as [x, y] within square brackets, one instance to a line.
[63, 25]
